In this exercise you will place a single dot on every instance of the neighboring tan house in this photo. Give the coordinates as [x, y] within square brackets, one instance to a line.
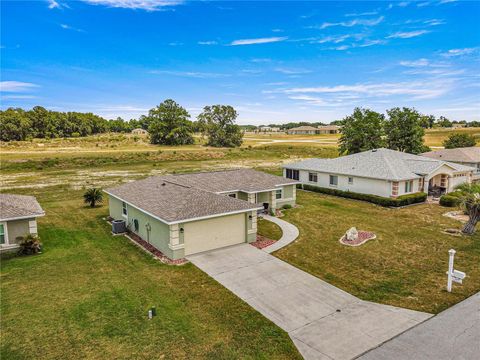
[268, 129]
[469, 156]
[302, 130]
[189, 213]
[18, 218]
[139, 131]
[329, 129]
[381, 172]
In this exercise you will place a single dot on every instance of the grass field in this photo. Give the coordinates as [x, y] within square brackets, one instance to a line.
[405, 266]
[269, 229]
[87, 296]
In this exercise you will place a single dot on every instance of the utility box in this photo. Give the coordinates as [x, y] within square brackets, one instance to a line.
[119, 226]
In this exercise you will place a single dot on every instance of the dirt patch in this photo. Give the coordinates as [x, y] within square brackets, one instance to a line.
[457, 215]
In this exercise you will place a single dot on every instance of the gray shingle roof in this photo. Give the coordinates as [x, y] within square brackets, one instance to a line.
[19, 206]
[246, 180]
[468, 155]
[382, 164]
[172, 202]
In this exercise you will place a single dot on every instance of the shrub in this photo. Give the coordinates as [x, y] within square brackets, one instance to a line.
[379, 200]
[451, 199]
[287, 206]
[29, 245]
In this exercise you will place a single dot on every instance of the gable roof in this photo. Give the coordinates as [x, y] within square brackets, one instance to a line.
[329, 127]
[468, 154]
[381, 163]
[245, 180]
[304, 128]
[19, 207]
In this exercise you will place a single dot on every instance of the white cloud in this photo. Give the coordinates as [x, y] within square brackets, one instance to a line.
[367, 13]
[277, 30]
[18, 97]
[459, 52]
[415, 63]
[354, 22]
[209, 42]
[422, 4]
[288, 71]
[447, 1]
[192, 74]
[148, 5]
[403, 3]
[434, 22]
[68, 27]
[258, 41]
[52, 4]
[333, 38]
[407, 34]
[16, 86]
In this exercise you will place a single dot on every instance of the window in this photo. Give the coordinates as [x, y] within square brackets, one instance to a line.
[408, 186]
[2, 234]
[232, 195]
[278, 194]
[292, 174]
[333, 180]
[312, 177]
[350, 180]
[124, 209]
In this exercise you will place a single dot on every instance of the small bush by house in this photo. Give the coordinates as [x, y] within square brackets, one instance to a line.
[450, 199]
[379, 200]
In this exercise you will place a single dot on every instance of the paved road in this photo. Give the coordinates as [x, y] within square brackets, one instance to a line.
[289, 233]
[323, 321]
[452, 334]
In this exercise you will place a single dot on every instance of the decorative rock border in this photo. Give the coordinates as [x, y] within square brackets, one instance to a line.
[262, 242]
[363, 237]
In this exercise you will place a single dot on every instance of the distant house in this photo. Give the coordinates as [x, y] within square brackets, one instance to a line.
[189, 213]
[469, 156]
[381, 172]
[303, 130]
[139, 131]
[18, 218]
[268, 129]
[329, 129]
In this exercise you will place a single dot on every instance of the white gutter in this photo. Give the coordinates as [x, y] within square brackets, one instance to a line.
[23, 217]
[183, 220]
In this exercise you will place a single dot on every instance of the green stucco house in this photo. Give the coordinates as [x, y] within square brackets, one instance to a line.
[186, 214]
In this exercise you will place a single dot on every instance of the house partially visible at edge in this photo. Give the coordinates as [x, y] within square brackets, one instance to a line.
[139, 131]
[186, 214]
[302, 130]
[381, 172]
[469, 156]
[18, 218]
[329, 129]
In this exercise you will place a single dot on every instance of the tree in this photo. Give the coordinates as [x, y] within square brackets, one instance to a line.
[169, 124]
[427, 121]
[470, 203]
[444, 122]
[362, 131]
[404, 132]
[14, 125]
[93, 196]
[459, 140]
[218, 123]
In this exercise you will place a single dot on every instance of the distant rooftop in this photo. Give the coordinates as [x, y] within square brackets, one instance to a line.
[311, 128]
[467, 155]
[378, 164]
[19, 206]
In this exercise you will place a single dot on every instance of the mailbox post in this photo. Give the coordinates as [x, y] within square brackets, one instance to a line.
[452, 274]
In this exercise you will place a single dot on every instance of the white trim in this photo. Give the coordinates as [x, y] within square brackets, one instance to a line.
[176, 246]
[257, 191]
[23, 217]
[183, 220]
[5, 233]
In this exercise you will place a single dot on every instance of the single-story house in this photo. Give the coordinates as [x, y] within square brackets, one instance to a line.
[329, 129]
[18, 218]
[269, 129]
[140, 131]
[381, 172]
[302, 130]
[189, 213]
[469, 156]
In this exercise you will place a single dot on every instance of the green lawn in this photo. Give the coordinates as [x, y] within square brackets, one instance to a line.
[87, 296]
[405, 266]
[269, 229]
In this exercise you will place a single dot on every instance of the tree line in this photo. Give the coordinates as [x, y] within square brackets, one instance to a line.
[402, 130]
[168, 124]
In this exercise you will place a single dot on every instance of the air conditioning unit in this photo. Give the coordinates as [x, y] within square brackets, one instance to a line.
[119, 226]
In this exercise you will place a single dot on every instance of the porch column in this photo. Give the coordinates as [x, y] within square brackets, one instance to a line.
[394, 188]
[273, 200]
[251, 198]
[175, 237]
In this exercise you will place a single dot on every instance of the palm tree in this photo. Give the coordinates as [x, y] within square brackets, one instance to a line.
[470, 202]
[93, 196]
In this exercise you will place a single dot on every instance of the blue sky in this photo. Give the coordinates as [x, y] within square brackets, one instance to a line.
[273, 61]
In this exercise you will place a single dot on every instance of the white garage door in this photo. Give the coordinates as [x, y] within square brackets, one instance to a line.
[214, 233]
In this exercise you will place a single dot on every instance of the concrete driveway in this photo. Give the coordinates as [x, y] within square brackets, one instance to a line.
[323, 321]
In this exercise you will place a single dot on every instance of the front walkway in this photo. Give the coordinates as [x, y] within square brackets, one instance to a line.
[452, 334]
[289, 233]
[323, 321]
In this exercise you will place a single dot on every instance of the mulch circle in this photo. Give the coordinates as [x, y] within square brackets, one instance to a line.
[262, 242]
[363, 237]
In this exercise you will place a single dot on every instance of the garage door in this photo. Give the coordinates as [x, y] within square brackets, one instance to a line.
[214, 233]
